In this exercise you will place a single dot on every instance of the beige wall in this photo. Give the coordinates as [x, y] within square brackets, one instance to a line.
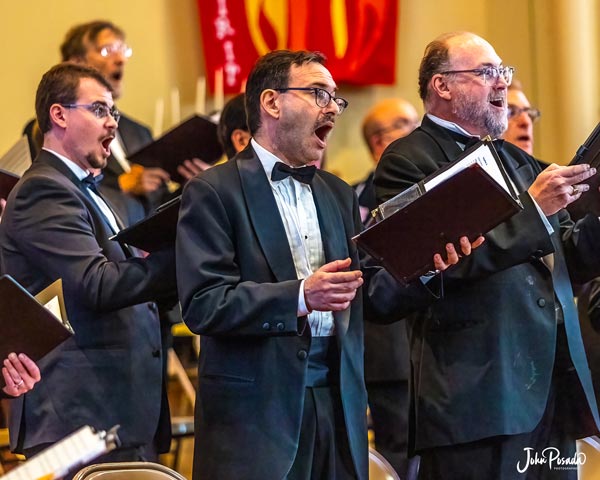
[553, 44]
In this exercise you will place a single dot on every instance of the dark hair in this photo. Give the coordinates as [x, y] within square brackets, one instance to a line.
[79, 37]
[233, 117]
[60, 84]
[435, 59]
[272, 71]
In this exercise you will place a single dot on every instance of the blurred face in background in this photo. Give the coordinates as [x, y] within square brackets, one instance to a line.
[521, 117]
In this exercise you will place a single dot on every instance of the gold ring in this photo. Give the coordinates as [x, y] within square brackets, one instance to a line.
[575, 190]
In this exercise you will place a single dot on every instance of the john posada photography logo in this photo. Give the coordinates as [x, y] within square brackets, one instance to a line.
[549, 457]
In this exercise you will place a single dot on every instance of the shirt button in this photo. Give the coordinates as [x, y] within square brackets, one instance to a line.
[302, 354]
[541, 302]
[266, 326]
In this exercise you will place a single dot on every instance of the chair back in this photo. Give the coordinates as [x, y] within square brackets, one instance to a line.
[380, 468]
[127, 471]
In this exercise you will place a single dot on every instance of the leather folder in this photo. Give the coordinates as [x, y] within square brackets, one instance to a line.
[156, 231]
[27, 325]
[589, 202]
[467, 202]
[7, 181]
[195, 137]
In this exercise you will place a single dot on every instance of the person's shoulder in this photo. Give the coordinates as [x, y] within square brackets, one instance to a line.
[335, 183]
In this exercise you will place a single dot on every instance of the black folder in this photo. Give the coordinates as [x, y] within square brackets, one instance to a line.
[195, 137]
[468, 203]
[27, 326]
[7, 181]
[589, 202]
[156, 231]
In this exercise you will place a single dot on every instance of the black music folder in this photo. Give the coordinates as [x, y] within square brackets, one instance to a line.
[589, 202]
[469, 197]
[195, 137]
[7, 181]
[31, 325]
[156, 231]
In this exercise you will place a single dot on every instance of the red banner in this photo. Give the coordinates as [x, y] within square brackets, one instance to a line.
[357, 36]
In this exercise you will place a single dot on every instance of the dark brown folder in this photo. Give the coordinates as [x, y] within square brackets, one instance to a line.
[156, 231]
[195, 137]
[7, 181]
[589, 202]
[27, 326]
[469, 203]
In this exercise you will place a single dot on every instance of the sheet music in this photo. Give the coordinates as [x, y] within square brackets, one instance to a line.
[53, 305]
[18, 157]
[482, 156]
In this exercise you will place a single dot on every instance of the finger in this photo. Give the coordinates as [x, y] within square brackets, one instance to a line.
[477, 242]
[465, 246]
[336, 265]
[577, 190]
[438, 262]
[31, 367]
[577, 173]
[201, 164]
[336, 278]
[157, 173]
[451, 254]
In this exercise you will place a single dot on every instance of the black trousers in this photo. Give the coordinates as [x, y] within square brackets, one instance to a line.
[323, 450]
[511, 457]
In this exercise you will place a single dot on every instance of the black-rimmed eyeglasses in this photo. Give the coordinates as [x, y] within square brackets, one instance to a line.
[100, 110]
[491, 73]
[322, 97]
[533, 113]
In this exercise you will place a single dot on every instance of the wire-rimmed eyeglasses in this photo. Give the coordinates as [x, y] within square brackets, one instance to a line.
[322, 97]
[491, 73]
[514, 111]
[100, 110]
[112, 48]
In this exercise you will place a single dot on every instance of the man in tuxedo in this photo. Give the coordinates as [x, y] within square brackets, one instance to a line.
[498, 367]
[386, 346]
[57, 225]
[270, 279]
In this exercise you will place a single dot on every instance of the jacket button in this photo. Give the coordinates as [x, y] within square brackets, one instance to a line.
[152, 306]
[541, 302]
[302, 354]
[280, 326]
[156, 353]
[266, 326]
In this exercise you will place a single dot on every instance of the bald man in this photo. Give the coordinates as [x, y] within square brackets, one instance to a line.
[386, 346]
[386, 121]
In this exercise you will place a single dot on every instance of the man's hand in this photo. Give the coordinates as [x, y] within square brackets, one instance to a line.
[453, 257]
[141, 181]
[190, 168]
[332, 287]
[20, 374]
[558, 186]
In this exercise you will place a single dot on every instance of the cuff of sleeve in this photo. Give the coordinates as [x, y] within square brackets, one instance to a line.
[302, 308]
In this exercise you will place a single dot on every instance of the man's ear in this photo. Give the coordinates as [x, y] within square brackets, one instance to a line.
[57, 115]
[439, 86]
[240, 139]
[270, 103]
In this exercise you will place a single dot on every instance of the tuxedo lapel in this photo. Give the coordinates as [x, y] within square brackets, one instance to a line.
[264, 216]
[333, 236]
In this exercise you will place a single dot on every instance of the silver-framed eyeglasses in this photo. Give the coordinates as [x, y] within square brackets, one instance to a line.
[488, 73]
[322, 97]
[100, 110]
[112, 48]
[533, 113]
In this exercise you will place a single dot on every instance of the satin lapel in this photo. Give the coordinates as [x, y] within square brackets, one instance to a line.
[333, 236]
[520, 173]
[442, 138]
[264, 216]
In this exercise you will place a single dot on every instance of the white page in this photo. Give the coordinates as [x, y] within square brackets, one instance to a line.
[18, 158]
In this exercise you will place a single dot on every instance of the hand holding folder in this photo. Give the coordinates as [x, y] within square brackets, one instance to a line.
[31, 325]
[467, 198]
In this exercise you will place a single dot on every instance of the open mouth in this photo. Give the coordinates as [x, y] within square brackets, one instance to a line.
[117, 76]
[106, 144]
[323, 132]
[497, 102]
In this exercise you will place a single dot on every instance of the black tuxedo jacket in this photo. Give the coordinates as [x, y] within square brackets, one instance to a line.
[239, 290]
[110, 372]
[482, 358]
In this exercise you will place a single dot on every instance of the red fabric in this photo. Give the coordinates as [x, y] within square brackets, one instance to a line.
[236, 32]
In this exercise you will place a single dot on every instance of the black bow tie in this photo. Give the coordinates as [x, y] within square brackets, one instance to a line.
[302, 174]
[470, 141]
[92, 181]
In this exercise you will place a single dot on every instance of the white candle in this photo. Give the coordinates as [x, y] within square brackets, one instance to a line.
[159, 113]
[219, 95]
[201, 96]
[175, 112]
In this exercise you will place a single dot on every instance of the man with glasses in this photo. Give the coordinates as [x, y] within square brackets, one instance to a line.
[57, 225]
[498, 368]
[521, 117]
[269, 277]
